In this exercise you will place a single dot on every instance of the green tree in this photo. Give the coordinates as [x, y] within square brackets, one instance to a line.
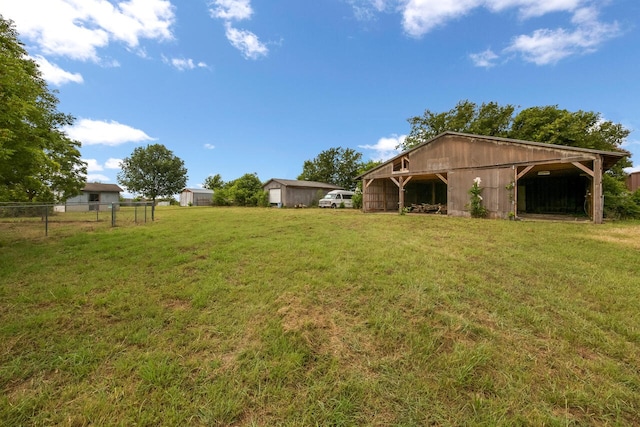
[214, 182]
[338, 166]
[244, 191]
[584, 129]
[38, 162]
[486, 119]
[153, 171]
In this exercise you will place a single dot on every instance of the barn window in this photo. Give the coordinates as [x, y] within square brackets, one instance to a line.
[401, 164]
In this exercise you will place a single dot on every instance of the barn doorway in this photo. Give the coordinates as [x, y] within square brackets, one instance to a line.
[555, 192]
[426, 195]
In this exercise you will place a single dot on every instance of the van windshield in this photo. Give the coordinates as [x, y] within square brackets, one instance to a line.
[329, 196]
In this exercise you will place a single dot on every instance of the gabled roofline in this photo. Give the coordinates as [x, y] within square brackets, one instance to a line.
[302, 183]
[198, 190]
[619, 154]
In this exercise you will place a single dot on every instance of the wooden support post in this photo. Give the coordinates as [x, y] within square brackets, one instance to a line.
[514, 202]
[401, 195]
[596, 193]
[433, 193]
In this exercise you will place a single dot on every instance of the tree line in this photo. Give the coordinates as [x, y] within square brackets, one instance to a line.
[39, 162]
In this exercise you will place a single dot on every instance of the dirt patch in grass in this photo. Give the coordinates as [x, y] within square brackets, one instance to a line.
[315, 323]
[325, 328]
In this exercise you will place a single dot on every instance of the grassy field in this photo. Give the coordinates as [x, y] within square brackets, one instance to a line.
[224, 316]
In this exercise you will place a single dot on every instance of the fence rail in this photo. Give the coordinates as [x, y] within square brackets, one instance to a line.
[30, 217]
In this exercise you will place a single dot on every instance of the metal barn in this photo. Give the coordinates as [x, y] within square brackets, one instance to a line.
[517, 177]
[292, 193]
[196, 197]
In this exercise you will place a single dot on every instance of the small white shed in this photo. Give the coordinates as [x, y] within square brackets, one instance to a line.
[196, 197]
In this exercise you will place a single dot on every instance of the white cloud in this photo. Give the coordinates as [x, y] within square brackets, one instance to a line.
[246, 42]
[421, 16]
[484, 59]
[365, 10]
[94, 132]
[55, 75]
[209, 146]
[112, 163]
[584, 33]
[385, 148]
[183, 64]
[77, 29]
[93, 165]
[232, 10]
[96, 177]
[547, 46]
[534, 8]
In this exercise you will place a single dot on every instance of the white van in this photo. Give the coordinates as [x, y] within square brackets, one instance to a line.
[337, 198]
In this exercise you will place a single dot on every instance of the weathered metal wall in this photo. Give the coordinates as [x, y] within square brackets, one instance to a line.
[303, 196]
[293, 196]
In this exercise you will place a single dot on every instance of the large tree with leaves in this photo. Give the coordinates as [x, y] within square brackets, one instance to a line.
[38, 162]
[153, 171]
[244, 191]
[548, 124]
[338, 166]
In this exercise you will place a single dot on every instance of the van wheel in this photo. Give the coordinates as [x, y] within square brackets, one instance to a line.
[333, 206]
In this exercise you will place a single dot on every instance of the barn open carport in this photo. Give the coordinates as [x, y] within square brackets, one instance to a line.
[555, 189]
[422, 193]
[517, 178]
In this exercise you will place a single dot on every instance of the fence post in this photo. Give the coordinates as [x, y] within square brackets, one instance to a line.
[113, 215]
[135, 213]
[145, 212]
[46, 220]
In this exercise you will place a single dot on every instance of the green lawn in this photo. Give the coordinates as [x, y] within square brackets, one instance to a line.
[225, 316]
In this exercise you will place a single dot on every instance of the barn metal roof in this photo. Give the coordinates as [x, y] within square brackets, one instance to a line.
[105, 188]
[610, 157]
[302, 183]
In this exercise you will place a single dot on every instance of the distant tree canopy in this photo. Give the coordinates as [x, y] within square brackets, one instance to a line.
[214, 182]
[338, 166]
[38, 162]
[548, 124]
[244, 191]
[153, 171]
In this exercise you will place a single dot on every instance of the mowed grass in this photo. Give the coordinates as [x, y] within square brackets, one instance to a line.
[224, 316]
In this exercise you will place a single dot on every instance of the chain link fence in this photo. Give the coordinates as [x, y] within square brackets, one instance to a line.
[32, 219]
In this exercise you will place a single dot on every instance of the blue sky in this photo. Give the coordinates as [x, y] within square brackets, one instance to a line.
[244, 86]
